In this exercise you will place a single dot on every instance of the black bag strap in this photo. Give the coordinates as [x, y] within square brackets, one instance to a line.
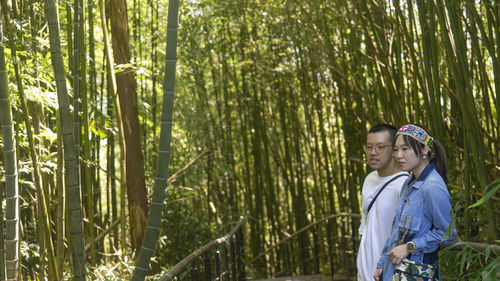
[381, 189]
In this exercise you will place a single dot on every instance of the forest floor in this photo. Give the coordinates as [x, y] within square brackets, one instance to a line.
[317, 277]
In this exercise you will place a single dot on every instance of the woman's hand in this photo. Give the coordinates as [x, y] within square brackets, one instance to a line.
[376, 276]
[398, 254]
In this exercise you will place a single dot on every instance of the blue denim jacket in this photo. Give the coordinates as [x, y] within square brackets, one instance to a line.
[424, 210]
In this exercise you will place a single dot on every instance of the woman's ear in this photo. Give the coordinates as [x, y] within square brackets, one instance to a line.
[425, 153]
[425, 150]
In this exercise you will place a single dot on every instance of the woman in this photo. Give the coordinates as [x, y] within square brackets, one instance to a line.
[423, 212]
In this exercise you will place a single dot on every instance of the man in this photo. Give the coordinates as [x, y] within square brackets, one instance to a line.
[386, 181]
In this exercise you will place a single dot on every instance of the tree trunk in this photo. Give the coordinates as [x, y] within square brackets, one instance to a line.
[136, 187]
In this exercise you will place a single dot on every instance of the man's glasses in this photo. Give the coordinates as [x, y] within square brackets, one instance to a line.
[378, 148]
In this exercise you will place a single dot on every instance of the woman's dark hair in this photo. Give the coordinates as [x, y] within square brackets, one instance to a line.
[438, 156]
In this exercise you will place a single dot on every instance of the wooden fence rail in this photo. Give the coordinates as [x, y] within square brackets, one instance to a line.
[234, 270]
[230, 264]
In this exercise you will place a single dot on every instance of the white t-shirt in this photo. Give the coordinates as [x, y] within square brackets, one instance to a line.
[376, 226]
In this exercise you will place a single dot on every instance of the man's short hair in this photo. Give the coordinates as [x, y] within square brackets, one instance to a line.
[384, 128]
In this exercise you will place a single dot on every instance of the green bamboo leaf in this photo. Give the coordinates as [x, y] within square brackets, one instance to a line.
[97, 131]
[488, 195]
[491, 271]
[487, 254]
[451, 227]
[464, 253]
[47, 134]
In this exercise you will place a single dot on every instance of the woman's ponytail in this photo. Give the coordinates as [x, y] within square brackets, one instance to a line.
[439, 160]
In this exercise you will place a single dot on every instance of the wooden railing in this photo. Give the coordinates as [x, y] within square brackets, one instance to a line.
[228, 265]
[330, 251]
[460, 245]
[338, 252]
[328, 243]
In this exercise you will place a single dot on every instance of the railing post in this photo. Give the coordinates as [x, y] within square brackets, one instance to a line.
[330, 254]
[354, 229]
[204, 255]
[347, 262]
[289, 257]
[316, 251]
[226, 263]
[208, 270]
[217, 265]
[194, 274]
[233, 259]
[241, 255]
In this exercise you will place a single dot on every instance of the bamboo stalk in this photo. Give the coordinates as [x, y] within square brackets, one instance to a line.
[156, 207]
[72, 181]
[11, 171]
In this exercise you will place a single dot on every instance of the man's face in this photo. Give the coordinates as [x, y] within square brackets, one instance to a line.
[378, 150]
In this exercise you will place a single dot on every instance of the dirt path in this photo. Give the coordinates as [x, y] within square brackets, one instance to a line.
[306, 278]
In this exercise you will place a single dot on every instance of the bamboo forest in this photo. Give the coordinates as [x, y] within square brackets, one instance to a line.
[225, 140]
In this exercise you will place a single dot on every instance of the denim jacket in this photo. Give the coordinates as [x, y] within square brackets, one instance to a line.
[424, 213]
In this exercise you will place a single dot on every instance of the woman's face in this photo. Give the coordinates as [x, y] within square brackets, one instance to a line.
[406, 158]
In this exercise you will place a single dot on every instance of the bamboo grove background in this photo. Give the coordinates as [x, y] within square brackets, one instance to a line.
[272, 103]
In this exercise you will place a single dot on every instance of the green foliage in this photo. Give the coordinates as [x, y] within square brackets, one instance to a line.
[183, 228]
[115, 270]
[491, 271]
[30, 254]
[468, 264]
[493, 188]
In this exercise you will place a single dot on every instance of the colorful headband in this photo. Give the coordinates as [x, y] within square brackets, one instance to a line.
[417, 133]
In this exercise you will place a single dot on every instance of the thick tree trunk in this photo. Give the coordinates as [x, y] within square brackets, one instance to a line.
[136, 187]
